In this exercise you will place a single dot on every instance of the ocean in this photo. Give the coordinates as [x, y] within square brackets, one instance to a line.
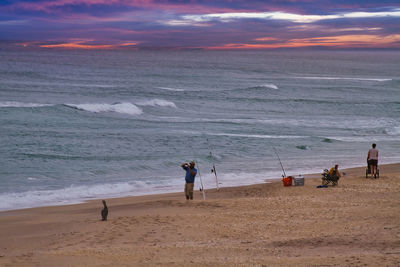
[78, 125]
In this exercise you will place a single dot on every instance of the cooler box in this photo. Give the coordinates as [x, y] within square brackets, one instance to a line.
[287, 181]
[299, 181]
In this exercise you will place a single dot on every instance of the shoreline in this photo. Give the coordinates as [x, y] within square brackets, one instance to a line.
[77, 201]
[355, 223]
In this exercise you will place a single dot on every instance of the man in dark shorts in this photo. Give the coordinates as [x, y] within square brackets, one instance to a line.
[372, 159]
[189, 178]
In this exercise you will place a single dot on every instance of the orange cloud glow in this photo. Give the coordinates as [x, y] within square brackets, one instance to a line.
[86, 46]
[77, 46]
[266, 39]
[365, 41]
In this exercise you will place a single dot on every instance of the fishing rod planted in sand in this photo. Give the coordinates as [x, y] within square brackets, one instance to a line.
[201, 182]
[213, 170]
[284, 174]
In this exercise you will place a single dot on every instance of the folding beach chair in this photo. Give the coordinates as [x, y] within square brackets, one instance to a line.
[328, 178]
[368, 170]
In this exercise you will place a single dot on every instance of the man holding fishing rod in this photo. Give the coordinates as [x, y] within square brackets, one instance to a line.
[191, 172]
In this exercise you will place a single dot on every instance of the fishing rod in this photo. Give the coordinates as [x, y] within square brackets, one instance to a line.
[201, 182]
[284, 174]
[213, 170]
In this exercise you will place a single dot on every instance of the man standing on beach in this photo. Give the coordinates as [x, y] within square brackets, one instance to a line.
[189, 178]
[372, 159]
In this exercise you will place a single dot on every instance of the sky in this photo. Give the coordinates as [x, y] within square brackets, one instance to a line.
[200, 24]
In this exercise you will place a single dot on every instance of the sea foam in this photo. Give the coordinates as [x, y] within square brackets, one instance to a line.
[157, 102]
[75, 194]
[124, 108]
[258, 136]
[14, 104]
[259, 87]
[270, 86]
[344, 78]
[171, 89]
[393, 130]
[80, 193]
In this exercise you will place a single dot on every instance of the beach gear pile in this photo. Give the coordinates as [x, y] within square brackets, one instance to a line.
[288, 181]
[298, 180]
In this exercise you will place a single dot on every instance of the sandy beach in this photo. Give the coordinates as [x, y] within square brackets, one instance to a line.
[356, 223]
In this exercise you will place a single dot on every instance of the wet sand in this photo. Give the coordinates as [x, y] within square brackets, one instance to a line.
[356, 223]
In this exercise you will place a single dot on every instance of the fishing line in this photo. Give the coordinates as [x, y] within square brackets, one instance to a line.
[284, 174]
[201, 181]
[213, 163]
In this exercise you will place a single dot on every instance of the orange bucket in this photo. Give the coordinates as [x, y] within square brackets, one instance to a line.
[287, 181]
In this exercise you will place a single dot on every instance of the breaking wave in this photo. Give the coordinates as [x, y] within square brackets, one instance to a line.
[14, 104]
[76, 194]
[270, 85]
[119, 107]
[393, 131]
[263, 86]
[157, 102]
[257, 136]
[344, 78]
[171, 89]
[124, 108]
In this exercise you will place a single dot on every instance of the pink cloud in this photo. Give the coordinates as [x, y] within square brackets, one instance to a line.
[87, 46]
[339, 41]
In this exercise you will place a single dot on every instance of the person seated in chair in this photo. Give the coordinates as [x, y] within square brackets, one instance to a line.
[335, 173]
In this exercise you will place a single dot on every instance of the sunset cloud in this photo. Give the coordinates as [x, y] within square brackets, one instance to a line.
[226, 24]
[344, 41]
[75, 45]
[86, 46]
[296, 18]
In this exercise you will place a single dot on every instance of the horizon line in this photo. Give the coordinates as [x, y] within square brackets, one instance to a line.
[65, 46]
